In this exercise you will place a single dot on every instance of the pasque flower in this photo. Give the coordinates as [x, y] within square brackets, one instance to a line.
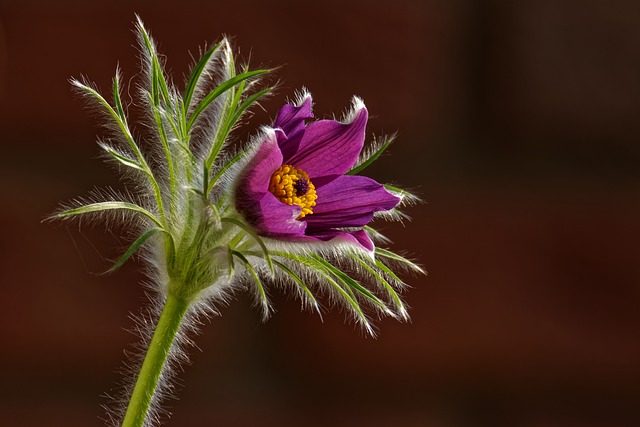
[297, 187]
[286, 210]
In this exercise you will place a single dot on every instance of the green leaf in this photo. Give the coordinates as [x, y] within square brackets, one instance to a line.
[119, 121]
[373, 157]
[226, 122]
[222, 88]
[300, 283]
[229, 121]
[318, 268]
[162, 133]
[223, 169]
[107, 206]
[231, 263]
[217, 220]
[376, 235]
[116, 96]
[123, 159]
[133, 248]
[261, 292]
[248, 102]
[255, 237]
[129, 138]
[351, 283]
[105, 104]
[158, 83]
[196, 73]
[387, 286]
[399, 258]
[389, 272]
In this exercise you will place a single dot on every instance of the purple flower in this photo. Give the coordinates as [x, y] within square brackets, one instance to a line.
[295, 187]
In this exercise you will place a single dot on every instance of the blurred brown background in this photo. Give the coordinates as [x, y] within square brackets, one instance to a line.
[519, 126]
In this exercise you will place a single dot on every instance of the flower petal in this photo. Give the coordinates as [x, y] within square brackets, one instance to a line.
[261, 209]
[291, 118]
[329, 147]
[265, 161]
[276, 219]
[349, 201]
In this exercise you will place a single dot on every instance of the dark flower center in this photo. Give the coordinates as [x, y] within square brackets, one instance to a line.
[301, 186]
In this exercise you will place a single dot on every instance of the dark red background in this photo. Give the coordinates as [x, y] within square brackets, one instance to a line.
[518, 123]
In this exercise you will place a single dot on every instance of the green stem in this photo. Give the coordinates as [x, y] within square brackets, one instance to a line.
[161, 342]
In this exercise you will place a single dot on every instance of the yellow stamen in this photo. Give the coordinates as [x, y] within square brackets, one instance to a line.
[293, 187]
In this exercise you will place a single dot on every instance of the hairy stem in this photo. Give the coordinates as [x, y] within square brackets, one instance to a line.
[154, 361]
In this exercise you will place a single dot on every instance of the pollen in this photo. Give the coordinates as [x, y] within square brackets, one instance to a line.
[293, 187]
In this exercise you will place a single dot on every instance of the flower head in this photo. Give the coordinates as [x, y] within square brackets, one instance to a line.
[298, 188]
